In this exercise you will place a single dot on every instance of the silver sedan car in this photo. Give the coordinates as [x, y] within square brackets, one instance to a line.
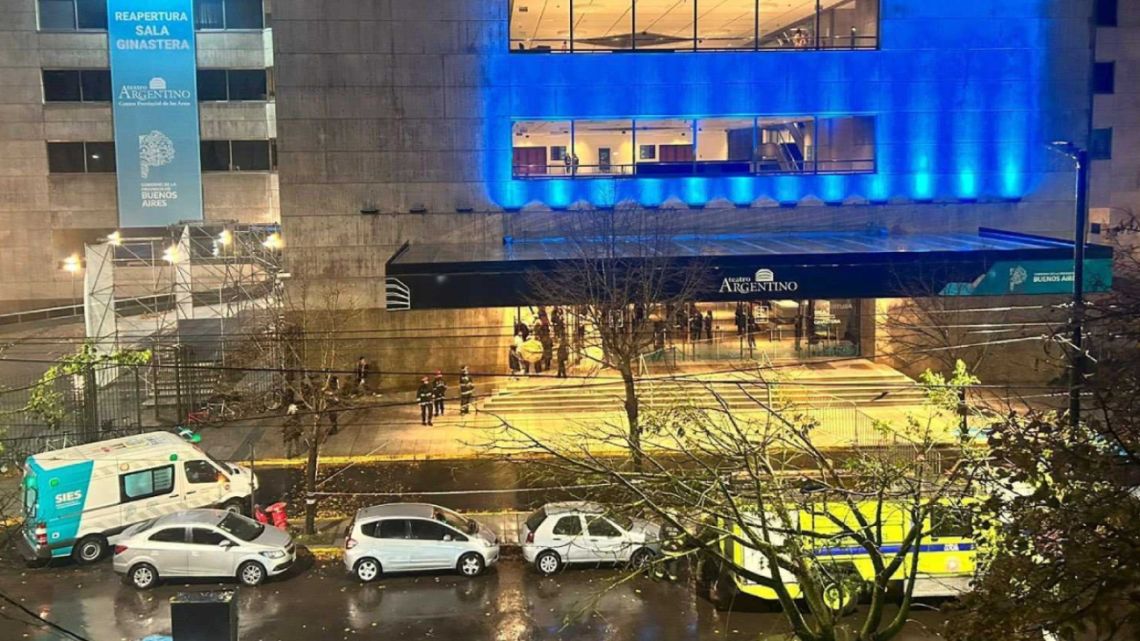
[202, 543]
[404, 537]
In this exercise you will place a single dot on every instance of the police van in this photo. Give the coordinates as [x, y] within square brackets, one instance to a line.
[76, 498]
[946, 559]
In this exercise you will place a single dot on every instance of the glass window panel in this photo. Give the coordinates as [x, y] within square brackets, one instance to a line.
[603, 25]
[674, 142]
[568, 526]
[202, 536]
[393, 529]
[169, 535]
[664, 24]
[787, 24]
[57, 14]
[601, 527]
[61, 86]
[1104, 77]
[848, 24]
[65, 157]
[785, 145]
[542, 148]
[1100, 144]
[209, 14]
[845, 144]
[603, 147]
[250, 155]
[215, 155]
[428, 531]
[212, 85]
[540, 26]
[1106, 13]
[92, 14]
[247, 84]
[96, 85]
[244, 14]
[100, 157]
[730, 24]
[201, 472]
[725, 145]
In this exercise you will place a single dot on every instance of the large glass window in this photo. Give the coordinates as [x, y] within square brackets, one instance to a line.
[845, 144]
[77, 85]
[81, 157]
[235, 85]
[692, 25]
[229, 14]
[670, 145]
[237, 155]
[723, 146]
[68, 15]
[603, 148]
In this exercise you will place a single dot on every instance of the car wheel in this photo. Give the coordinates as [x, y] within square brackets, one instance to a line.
[471, 564]
[251, 573]
[235, 506]
[143, 576]
[641, 559]
[548, 562]
[367, 570]
[90, 549]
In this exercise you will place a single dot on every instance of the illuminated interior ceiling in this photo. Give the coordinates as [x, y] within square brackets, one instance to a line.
[606, 23]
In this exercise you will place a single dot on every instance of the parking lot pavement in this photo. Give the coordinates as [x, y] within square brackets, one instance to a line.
[319, 602]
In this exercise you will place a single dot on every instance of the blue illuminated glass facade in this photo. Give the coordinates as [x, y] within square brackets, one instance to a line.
[956, 89]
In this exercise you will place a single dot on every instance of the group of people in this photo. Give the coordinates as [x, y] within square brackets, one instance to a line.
[432, 395]
[323, 400]
[536, 345]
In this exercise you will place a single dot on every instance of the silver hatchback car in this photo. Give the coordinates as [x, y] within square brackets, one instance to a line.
[202, 543]
[403, 537]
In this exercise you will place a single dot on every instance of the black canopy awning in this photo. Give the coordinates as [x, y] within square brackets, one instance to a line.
[801, 265]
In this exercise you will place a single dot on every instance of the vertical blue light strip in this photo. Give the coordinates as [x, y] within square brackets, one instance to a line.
[155, 108]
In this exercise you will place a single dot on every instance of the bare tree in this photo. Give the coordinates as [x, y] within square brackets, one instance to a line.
[626, 279]
[760, 496]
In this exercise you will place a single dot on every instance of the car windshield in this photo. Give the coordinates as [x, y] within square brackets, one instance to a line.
[453, 519]
[241, 527]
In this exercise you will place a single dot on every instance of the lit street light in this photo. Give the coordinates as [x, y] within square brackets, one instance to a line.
[1076, 372]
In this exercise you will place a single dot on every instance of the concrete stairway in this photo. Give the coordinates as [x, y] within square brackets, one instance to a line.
[861, 383]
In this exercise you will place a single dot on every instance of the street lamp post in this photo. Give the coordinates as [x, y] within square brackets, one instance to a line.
[1076, 369]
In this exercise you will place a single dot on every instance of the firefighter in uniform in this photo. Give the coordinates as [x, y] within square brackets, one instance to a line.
[424, 396]
[466, 390]
[438, 391]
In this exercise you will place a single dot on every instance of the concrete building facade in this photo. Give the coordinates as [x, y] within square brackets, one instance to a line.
[1116, 117]
[54, 79]
[467, 122]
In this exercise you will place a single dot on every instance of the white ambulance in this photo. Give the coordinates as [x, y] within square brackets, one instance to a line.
[76, 499]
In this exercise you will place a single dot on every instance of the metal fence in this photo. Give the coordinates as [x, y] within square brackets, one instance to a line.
[102, 402]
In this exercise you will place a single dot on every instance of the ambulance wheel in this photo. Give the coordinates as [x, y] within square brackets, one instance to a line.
[236, 506]
[90, 549]
[841, 593]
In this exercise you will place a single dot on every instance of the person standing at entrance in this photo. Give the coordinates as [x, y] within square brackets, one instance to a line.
[466, 390]
[563, 356]
[709, 325]
[740, 319]
[361, 376]
[424, 396]
[438, 391]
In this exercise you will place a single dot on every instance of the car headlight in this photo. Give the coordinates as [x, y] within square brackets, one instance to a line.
[273, 554]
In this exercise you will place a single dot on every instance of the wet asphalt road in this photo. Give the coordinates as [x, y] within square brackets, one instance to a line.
[318, 602]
